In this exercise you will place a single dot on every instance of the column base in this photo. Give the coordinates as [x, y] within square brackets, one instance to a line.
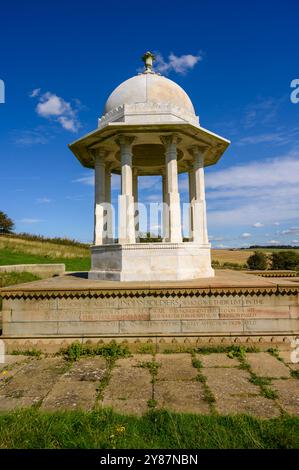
[151, 262]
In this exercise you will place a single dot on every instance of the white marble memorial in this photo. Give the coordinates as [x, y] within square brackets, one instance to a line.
[149, 127]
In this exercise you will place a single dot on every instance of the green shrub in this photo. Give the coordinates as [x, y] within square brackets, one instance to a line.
[258, 261]
[285, 260]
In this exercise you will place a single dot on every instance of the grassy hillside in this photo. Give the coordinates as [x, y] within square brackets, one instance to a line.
[15, 250]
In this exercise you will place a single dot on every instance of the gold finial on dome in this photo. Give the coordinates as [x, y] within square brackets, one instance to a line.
[148, 59]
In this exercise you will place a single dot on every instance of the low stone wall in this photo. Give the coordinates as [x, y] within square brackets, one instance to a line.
[273, 273]
[42, 270]
[261, 311]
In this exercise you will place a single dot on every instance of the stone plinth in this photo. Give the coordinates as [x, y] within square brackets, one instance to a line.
[231, 307]
[151, 262]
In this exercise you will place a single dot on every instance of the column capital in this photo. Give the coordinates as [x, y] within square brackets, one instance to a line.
[125, 140]
[99, 154]
[170, 139]
[198, 148]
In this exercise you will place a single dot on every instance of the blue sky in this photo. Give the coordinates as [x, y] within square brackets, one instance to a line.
[76, 53]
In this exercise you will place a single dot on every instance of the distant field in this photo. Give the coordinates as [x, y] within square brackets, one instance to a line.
[15, 250]
[240, 256]
[231, 256]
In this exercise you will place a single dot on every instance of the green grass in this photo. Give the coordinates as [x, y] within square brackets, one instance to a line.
[9, 279]
[158, 429]
[8, 256]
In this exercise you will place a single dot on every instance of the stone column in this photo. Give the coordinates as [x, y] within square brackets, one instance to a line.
[173, 197]
[135, 195]
[191, 178]
[198, 204]
[165, 214]
[109, 213]
[100, 195]
[126, 227]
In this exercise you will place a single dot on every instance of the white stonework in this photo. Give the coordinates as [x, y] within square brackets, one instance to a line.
[151, 262]
[149, 127]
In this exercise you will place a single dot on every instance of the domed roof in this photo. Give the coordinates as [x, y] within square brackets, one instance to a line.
[149, 88]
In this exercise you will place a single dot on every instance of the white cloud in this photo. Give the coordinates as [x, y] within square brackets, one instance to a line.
[215, 239]
[246, 235]
[39, 135]
[53, 107]
[267, 191]
[291, 231]
[34, 92]
[295, 241]
[262, 111]
[274, 242]
[89, 180]
[43, 200]
[279, 137]
[179, 64]
[256, 174]
[258, 225]
[29, 221]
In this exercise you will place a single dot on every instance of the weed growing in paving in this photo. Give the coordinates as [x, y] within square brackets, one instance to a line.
[146, 349]
[232, 351]
[208, 395]
[28, 352]
[112, 351]
[263, 382]
[153, 368]
[275, 352]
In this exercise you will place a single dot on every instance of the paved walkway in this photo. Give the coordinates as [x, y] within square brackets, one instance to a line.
[259, 384]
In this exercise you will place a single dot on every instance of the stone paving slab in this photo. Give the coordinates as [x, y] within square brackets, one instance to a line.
[77, 388]
[11, 359]
[285, 356]
[217, 360]
[54, 384]
[86, 370]
[10, 403]
[32, 382]
[181, 396]
[265, 365]
[176, 367]
[71, 395]
[288, 392]
[10, 369]
[235, 394]
[130, 386]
